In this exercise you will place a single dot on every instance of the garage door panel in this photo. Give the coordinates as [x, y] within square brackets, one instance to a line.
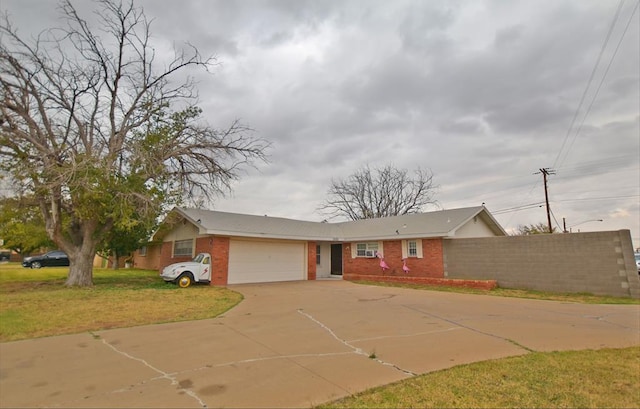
[264, 261]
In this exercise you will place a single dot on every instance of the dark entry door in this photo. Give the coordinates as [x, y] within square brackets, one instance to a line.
[336, 259]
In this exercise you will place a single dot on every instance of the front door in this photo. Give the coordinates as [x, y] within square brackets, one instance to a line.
[336, 259]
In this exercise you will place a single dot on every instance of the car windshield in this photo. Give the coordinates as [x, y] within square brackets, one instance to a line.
[198, 258]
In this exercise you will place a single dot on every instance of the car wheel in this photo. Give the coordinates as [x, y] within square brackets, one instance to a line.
[36, 264]
[185, 280]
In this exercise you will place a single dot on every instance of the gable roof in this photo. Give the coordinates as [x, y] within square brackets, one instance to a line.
[442, 223]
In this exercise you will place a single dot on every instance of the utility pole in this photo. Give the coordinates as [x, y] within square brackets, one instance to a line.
[546, 172]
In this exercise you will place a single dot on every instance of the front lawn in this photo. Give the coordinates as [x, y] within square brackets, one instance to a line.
[35, 303]
[606, 378]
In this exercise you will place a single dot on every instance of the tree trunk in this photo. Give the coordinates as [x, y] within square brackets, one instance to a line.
[81, 268]
[115, 263]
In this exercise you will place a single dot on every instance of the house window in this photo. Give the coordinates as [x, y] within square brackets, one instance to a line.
[366, 249]
[142, 251]
[318, 254]
[183, 248]
[412, 247]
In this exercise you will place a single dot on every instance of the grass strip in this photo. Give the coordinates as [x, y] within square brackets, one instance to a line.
[606, 378]
[585, 298]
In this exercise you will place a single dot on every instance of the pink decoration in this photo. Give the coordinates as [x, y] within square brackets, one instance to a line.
[404, 266]
[383, 264]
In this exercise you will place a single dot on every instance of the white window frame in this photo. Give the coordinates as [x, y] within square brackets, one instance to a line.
[366, 249]
[405, 248]
[412, 248]
[142, 251]
[180, 245]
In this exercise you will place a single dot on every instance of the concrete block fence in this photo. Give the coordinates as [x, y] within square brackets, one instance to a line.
[599, 263]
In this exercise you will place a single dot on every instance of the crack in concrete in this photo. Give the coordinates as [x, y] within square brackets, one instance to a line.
[516, 343]
[605, 318]
[266, 358]
[288, 357]
[405, 335]
[355, 349]
[164, 375]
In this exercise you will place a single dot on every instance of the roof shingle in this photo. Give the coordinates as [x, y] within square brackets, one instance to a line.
[443, 223]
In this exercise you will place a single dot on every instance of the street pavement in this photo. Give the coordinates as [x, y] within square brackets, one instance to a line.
[298, 344]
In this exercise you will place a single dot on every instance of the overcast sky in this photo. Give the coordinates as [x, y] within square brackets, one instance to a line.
[483, 93]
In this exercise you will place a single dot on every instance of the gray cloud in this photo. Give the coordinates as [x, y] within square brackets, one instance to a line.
[481, 92]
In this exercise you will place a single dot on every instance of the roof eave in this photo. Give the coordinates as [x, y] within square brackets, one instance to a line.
[398, 237]
[231, 233]
[489, 220]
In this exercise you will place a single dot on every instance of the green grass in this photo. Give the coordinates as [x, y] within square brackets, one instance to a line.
[508, 292]
[607, 378]
[35, 303]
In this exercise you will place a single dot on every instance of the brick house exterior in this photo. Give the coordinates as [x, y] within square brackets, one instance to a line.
[248, 248]
[430, 265]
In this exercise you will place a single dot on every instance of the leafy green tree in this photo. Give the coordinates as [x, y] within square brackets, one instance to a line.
[89, 127]
[21, 226]
[118, 243]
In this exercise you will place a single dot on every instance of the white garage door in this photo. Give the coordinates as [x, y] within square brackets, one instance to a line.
[265, 261]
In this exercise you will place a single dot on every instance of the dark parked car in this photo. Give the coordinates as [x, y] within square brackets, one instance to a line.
[51, 259]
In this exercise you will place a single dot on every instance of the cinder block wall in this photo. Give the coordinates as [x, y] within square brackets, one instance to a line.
[600, 263]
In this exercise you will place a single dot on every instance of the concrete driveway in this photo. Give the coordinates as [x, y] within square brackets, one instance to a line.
[298, 344]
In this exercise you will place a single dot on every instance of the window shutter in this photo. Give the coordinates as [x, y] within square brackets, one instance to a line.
[354, 249]
[419, 248]
[380, 248]
[405, 251]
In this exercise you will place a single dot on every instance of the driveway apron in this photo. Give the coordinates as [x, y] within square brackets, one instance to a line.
[298, 344]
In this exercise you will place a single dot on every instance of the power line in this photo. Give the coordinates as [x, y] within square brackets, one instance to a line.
[593, 72]
[556, 220]
[595, 95]
[518, 208]
[586, 199]
[611, 161]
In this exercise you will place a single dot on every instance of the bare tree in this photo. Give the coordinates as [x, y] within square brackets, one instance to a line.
[538, 228]
[102, 134]
[387, 191]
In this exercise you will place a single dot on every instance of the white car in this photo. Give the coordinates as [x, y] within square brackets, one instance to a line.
[637, 257]
[186, 273]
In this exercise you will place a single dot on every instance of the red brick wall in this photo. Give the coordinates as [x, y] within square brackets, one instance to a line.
[151, 260]
[430, 265]
[204, 245]
[449, 282]
[311, 260]
[165, 255]
[220, 261]
[364, 265]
